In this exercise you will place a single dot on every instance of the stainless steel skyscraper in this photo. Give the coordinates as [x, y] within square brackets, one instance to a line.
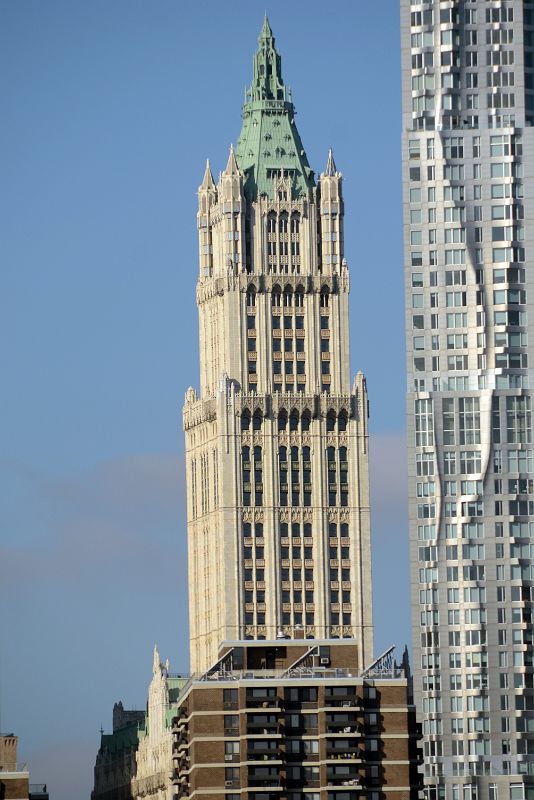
[468, 163]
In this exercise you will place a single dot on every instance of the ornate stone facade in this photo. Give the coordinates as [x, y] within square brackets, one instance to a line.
[277, 438]
[154, 755]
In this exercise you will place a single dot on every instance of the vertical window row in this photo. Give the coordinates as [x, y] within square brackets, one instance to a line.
[324, 349]
[296, 574]
[330, 232]
[339, 574]
[252, 476]
[283, 243]
[288, 342]
[232, 238]
[204, 483]
[206, 247]
[252, 355]
[338, 476]
[193, 488]
[254, 573]
[294, 474]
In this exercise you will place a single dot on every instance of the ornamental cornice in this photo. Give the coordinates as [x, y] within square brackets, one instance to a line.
[197, 412]
[208, 288]
[253, 515]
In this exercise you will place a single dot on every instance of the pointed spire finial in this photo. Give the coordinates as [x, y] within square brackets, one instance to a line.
[207, 180]
[266, 31]
[231, 167]
[155, 662]
[330, 164]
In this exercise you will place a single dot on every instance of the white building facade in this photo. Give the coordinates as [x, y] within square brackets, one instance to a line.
[276, 438]
[468, 164]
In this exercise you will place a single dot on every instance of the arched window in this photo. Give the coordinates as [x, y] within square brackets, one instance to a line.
[295, 529]
[288, 296]
[294, 420]
[282, 464]
[257, 420]
[283, 244]
[295, 224]
[245, 456]
[325, 296]
[295, 477]
[342, 421]
[282, 420]
[271, 223]
[332, 477]
[344, 476]
[299, 297]
[276, 296]
[331, 421]
[245, 420]
[251, 296]
[305, 421]
[258, 477]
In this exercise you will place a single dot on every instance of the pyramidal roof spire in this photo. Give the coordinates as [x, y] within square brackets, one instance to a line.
[269, 147]
[231, 167]
[330, 164]
[266, 32]
[267, 83]
[207, 180]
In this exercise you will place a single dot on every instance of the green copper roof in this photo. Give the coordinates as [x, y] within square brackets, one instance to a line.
[121, 740]
[269, 143]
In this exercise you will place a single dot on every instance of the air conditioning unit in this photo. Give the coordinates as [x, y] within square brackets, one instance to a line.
[229, 783]
[228, 756]
[324, 662]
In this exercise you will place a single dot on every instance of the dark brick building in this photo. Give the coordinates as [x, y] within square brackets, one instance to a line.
[294, 720]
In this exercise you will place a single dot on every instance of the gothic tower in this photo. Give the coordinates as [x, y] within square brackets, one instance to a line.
[277, 438]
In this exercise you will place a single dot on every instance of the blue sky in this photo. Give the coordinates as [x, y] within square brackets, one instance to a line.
[110, 109]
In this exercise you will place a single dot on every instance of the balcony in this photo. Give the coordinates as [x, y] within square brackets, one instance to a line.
[342, 753]
[352, 779]
[263, 702]
[264, 776]
[300, 757]
[263, 754]
[342, 701]
[343, 727]
[301, 731]
[266, 726]
[272, 783]
[299, 783]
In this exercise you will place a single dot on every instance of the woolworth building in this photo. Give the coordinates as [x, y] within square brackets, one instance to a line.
[277, 436]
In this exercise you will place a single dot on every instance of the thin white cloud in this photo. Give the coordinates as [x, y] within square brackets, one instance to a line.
[121, 518]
